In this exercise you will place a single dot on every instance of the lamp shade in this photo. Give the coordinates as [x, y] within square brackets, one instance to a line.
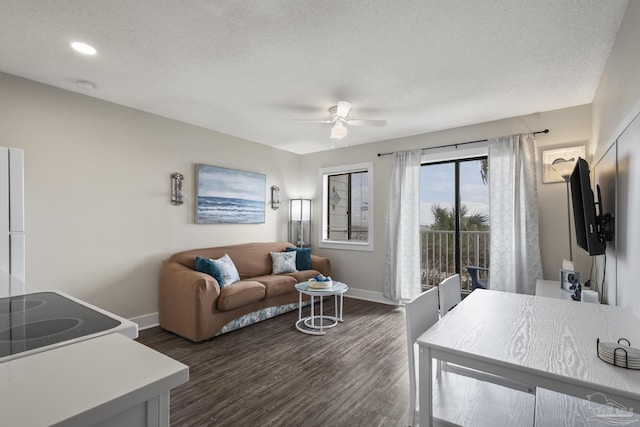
[564, 168]
[300, 210]
[300, 222]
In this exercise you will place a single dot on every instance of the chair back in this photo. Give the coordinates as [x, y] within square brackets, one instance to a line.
[421, 313]
[476, 282]
[449, 291]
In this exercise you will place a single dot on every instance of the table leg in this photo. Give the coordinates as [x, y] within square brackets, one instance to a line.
[321, 315]
[299, 306]
[313, 312]
[425, 387]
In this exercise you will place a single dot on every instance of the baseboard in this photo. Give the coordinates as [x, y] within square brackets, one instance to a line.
[146, 321]
[151, 320]
[368, 296]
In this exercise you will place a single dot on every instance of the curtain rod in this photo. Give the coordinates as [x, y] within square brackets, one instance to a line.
[460, 143]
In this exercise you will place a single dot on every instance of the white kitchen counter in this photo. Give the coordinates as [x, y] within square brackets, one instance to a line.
[551, 289]
[109, 380]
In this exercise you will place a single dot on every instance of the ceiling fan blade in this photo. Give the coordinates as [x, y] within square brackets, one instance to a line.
[343, 109]
[358, 122]
[312, 121]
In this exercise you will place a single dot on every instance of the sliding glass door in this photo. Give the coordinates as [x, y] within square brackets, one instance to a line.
[454, 219]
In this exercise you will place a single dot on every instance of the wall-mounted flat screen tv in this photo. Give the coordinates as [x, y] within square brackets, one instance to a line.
[590, 226]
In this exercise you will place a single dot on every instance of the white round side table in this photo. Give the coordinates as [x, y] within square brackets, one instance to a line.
[316, 324]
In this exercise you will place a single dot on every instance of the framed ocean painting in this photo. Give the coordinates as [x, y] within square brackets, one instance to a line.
[229, 196]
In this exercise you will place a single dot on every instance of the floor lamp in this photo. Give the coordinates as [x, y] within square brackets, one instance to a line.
[569, 278]
[564, 169]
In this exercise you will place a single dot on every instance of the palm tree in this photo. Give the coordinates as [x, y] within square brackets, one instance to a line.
[444, 219]
[484, 170]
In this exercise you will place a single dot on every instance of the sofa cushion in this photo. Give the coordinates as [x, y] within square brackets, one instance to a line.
[240, 294]
[303, 258]
[252, 259]
[277, 284]
[227, 269]
[207, 266]
[283, 262]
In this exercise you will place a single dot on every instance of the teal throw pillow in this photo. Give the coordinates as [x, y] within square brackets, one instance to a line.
[228, 270]
[283, 262]
[207, 266]
[303, 258]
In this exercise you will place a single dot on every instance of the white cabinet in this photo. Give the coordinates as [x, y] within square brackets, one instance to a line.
[627, 241]
[12, 238]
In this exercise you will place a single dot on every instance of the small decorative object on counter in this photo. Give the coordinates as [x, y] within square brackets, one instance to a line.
[577, 292]
[619, 353]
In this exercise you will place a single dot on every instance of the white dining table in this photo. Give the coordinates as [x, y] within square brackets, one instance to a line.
[543, 342]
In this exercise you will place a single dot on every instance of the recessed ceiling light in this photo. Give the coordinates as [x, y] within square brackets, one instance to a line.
[86, 84]
[84, 48]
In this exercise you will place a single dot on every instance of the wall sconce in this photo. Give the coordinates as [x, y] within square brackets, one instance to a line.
[177, 193]
[300, 222]
[275, 197]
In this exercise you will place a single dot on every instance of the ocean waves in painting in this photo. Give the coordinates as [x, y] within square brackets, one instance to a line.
[223, 210]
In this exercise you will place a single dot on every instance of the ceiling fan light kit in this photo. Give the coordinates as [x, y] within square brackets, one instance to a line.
[338, 131]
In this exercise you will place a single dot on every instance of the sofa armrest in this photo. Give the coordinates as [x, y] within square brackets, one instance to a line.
[321, 264]
[186, 299]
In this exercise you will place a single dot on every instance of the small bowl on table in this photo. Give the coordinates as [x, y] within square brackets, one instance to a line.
[320, 285]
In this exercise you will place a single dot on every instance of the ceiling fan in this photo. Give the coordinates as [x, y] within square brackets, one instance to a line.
[339, 116]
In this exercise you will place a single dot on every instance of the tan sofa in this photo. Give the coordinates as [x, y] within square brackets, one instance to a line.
[191, 304]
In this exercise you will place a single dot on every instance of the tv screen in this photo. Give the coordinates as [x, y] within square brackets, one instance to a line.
[584, 210]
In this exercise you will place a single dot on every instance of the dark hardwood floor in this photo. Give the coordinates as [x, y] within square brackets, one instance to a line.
[270, 374]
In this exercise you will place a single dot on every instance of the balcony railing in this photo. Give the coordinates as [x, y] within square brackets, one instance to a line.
[438, 255]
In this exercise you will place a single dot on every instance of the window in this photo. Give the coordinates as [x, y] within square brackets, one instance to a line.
[347, 202]
[454, 219]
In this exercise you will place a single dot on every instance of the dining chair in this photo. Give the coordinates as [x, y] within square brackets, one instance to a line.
[476, 281]
[449, 293]
[421, 313]
[458, 399]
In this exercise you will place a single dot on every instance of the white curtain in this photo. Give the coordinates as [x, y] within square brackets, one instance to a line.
[402, 263]
[515, 251]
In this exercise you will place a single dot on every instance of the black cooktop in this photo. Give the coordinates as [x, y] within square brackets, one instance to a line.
[37, 320]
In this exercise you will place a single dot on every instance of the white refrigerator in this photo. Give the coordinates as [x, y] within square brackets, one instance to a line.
[12, 238]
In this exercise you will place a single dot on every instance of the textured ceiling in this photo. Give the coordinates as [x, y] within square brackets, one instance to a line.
[248, 68]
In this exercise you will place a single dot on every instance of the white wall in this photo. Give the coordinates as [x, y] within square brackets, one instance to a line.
[363, 271]
[97, 179]
[615, 105]
[617, 99]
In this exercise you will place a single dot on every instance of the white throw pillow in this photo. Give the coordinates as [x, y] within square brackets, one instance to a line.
[283, 262]
[227, 269]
